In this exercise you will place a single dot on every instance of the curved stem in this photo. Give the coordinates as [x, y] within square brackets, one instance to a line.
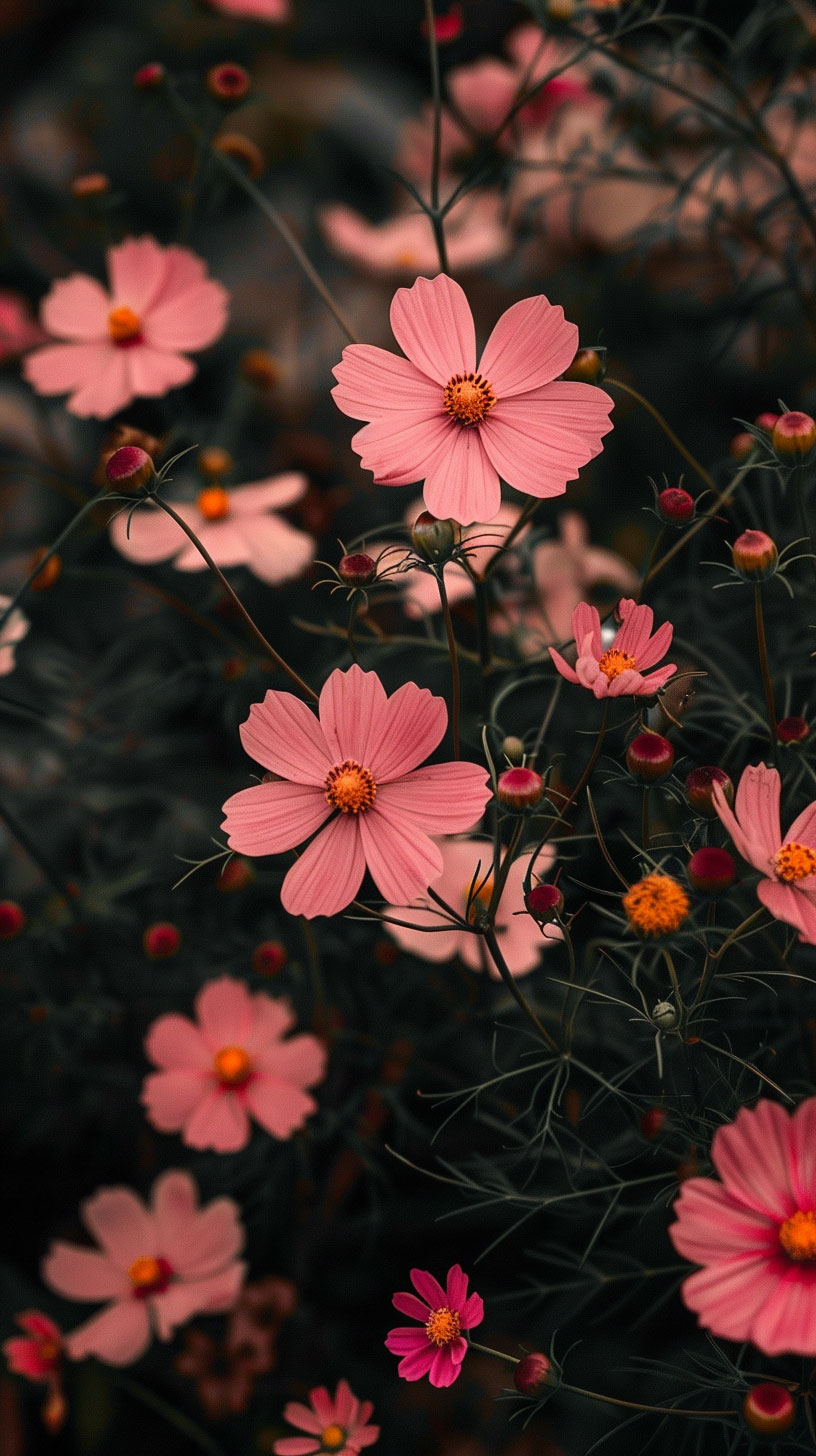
[656, 544]
[801, 511]
[499, 1354]
[585, 776]
[177, 1418]
[503, 970]
[667, 430]
[764, 666]
[52, 551]
[454, 660]
[663, 1410]
[644, 818]
[436, 216]
[350, 630]
[512, 536]
[43, 864]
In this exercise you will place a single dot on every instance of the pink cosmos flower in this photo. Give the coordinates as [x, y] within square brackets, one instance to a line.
[157, 1266]
[335, 1423]
[132, 339]
[475, 233]
[231, 1063]
[755, 1232]
[618, 671]
[437, 416]
[438, 1348]
[420, 592]
[18, 331]
[239, 527]
[485, 90]
[789, 865]
[12, 631]
[518, 935]
[360, 758]
[38, 1353]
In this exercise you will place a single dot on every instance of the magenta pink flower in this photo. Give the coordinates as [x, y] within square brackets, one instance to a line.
[755, 1232]
[361, 759]
[788, 865]
[132, 339]
[618, 671]
[334, 1423]
[157, 1266]
[38, 1353]
[485, 90]
[232, 1063]
[239, 527]
[438, 1348]
[12, 631]
[437, 416]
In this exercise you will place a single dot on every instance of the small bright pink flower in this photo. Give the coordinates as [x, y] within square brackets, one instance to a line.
[275, 12]
[18, 331]
[157, 1266]
[476, 234]
[485, 90]
[232, 1063]
[789, 865]
[618, 671]
[133, 339]
[13, 630]
[239, 527]
[337, 1423]
[438, 1348]
[437, 416]
[357, 766]
[38, 1354]
[755, 1232]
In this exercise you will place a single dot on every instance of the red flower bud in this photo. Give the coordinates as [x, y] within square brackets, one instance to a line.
[161, 940]
[711, 870]
[236, 875]
[675, 506]
[755, 555]
[228, 82]
[652, 1122]
[649, 757]
[741, 446]
[149, 77]
[766, 421]
[769, 1409]
[533, 1374]
[447, 27]
[12, 919]
[269, 958]
[699, 787]
[129, 468]
[358, 569]
[545, 902]
[793, 437]
[587, 367]
[792, 730]
[519, 788]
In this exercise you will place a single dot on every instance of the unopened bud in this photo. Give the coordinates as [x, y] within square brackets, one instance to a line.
[90, 184]
[588, 367]
[448, 27]
[260, 369]
[268, 958]
[792, 730]
[161, 940]
[239, 148]
[665, 1016]
[228, 82]
[358, 569]
[150, 77]
[675, 506]
[236, 875]
[544, 902]
[711, 870]
[755, 555]
[513, 749]
[433, 538]
[766, 421]
[769, 1409]
[129, 468]
[700, 789]
[519, 788]
[533, 1374]
[652, 1122]
[793, 437]
[12, 919]
[649, 757]
[213, 463]
[741, 446]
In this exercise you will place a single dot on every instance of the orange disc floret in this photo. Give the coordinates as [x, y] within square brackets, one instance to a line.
[656, 905]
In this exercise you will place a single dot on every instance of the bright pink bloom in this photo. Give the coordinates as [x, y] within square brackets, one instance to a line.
[789, 865]
[485, 90]
[275, 12]
[12, 631]
[239, 527]
[360, 758]
[231, 1063]
[158, 1266]
[755, 1232]
[438, 1348]
[38, 1354]
[437, 416]
[618, 671]
[476, 233]
[18, 331]
[335, 1423]
[131, 340]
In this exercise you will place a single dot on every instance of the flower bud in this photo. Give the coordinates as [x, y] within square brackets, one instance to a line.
[228, 82]
[519, 788]
[665, 1016]
[259, 368]
[150, 77]
[544, 902]
[652, 1122]
[129, 468]
[533, 1374]
[741, 446]
[268, 958]
[161, 940]
[769, 1409]
[755, 556]
[12, 919]
[699, 789]
[239, 148]
[213, 463]
[512, 748]
[711, 870]
[435, 539]
[675, 506]
[792, 730]
[588, 367]
[358, 569]
[766, 421]
[236, 875]
[649, 757]
[51, 571]
[90, 184]
[793, 437]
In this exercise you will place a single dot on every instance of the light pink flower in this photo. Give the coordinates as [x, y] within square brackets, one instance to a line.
[413, 157]
[475, 233]
[38, 1354]
[131, 340]
[239, 527]
[518, 935]
[234, 1061]
[438, 1348]
[618, 671]
[789, 865]
[157, 1266]
[436, 416]
[361, 759]
[18, 331]
[275, 12]
[755, 1232]
[13, 630]
[335, 1423]
[419, 589]
[485, 90]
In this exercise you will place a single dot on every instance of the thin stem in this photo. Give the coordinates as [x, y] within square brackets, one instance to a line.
[350, 630]
[40, 860]
[585, 776]
[499, 1354]
[722, 498]
[656, 544]
[762, 648]
[454, 660]
[663, 1410]
[667, 430]
[502, 968]
[174, 1417]
[502, 870]
[644, 818]
[801, 511]
[52, 551]
[512, 536]
[483, 637]
[437, 219]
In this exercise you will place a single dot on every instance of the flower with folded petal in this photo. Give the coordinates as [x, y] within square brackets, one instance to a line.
[156, 1266]
[353, 775]
[460, 426]
[788, 864]
[619, 670]
[337, 1423]
[232, 1063]
[438, 1347]
[12, 631]
[132, 339]
[37, 1354]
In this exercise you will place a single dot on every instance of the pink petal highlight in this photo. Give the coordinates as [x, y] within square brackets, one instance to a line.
[218, 1121]
[351, 706]
[399, 448]
[284, 736]
[372, 382]
[191, 320]
[170, 1098]
[137, 269]
[329, 872]
[539, 441]
[530, 345]
[119, 1221]
[153, 372]
[461, 482]
[442, 798]
[269, 818]
[119, 1335]
[433, 325]
[76, 308]
[757, 807]
[279, 1106]
[402, 859]
[792, 906]
[176, 1042]
[80, 1273]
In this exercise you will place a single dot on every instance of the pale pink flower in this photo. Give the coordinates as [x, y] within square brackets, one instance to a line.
[519, 937]
[413, 157]
[755, 1232]
[18, 331]
[485, 90]
[438, 1347]
[233, 1062]
[420, 592]
[435, 416]
[618, 671]
[131, 340]
[475, 233]
[12, 631]
[359, 758]
[788, 864]
[275, 12]
[337, 1423]
[38, 1353]
[157, 1266]
[239, 527]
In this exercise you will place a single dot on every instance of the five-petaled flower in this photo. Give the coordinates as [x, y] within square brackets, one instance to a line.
[38, 1353]
[438, 1347]
[618, 670]
[337, 1423]
[788, 865]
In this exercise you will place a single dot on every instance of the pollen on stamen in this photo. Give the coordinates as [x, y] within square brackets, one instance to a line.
[233, 1066]
[614, 662]
[350, 788]
[468, 398]
[213, 503]
[794, 862]
[797, 1235]
[124, 326]
[332, 1438]
[443, 1327]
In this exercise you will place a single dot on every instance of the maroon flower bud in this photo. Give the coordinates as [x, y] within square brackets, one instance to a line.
[533, 1374]
[792, 730]
[587, 367]
[769, 1409]
[513, 748]
[435, 539]
[766, 421]
[675, 506]
[519, 788]
[12, 919]
[236, 875]
[268, 958]
[357, 569]
[652, 1122]
[161, 940]
[649, 757]
[544, 902]
[129, 468]
[150, 77]
[699, 789]
[793, 437]
[90, 184]
[741, 446]
[711, 870]
[755, 555]
[259, 368]
[228, 82]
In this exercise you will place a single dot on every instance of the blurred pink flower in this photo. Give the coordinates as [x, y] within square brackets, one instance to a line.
[475, 233]
[130, 341]
[485, 90]
[18, 331]
[419, 589]
[618, 671]
[12, 631]
[413, 157]
[234, 1061]
[273, 11]
[239, 527]
[360, 758]
[789, 865]
[37, 1354]
[157, 1266]
[435, 416]
[336, 1423]
[438, 1348]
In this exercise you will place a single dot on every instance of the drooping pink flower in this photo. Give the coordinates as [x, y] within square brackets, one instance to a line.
[485, 90]
[438, 1348]
[337, 1423]
[232, 1063]
[132, 339]
[437, 416]
[38, 1353]
[788, 864]
[618, 671]
[18, 331]
[239, 527]
[157, 1266]
[755, 1231]
[420, 592]
[361, 759]
[476, 233]
[12, 631]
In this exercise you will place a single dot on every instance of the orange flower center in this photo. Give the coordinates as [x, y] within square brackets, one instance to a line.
[656, 905]
[443, 1326]
[213, 503]
[149, 1276]
[797, 1235]
[614, 662]
[332, 1438]
[406, 259]
[124, 325]
[232, 1066]
[350, 788]
[468, 397]
[479, 900]
[794, 862]
[49, 1351]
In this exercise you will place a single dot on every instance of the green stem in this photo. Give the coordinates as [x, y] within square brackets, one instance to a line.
[350, 629]
[436, 216]
[503, 970]
[666, 428]
[656, 544]
[585, 776]
[762, 648]
[52, 551]
[499, 1354]
[644, 818]
[663, 1410]
[454, 660]
[174, 1417]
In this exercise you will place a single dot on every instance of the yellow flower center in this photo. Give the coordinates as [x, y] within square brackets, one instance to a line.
[614, 662]
[443, 1326]
[332, 1438]
[479, 900]
[213, 503]
[468, 398]
[350, 788]
[797, 1235]
[124, 325]
[656, 905]
[232, 1066]
[794, 862]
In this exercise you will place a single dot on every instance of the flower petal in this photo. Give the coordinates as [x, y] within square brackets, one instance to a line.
[76, 308]
[119, 1335]
[278, 1105]
[175, 1043]
[197, 1242]
[154, 371]
[411, 1306]
[78, 1273]
[56, 368]
[441, 798]
[540, 440]
[791, 905]
[170, 1098]
[373, 382]
[119, 1221]
[530, 345]
[147, 534]
[267, 495]
[103, 394]
[803, 828]
[400, 448]
[329, 872]
[207, 1296]
[728, 1295]
[751, 1155]
[445, 1367]
[712, 1226]
[433, 325]
[300, 1415]
[269, 818]
[284, 736]
[275, 550]
[428, 1288]
[193, 319]
[402, 859]
[460, 480]
[786, 1321]
[226, 1012]
[218, 1121]
[352, 704]
[137, 269]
